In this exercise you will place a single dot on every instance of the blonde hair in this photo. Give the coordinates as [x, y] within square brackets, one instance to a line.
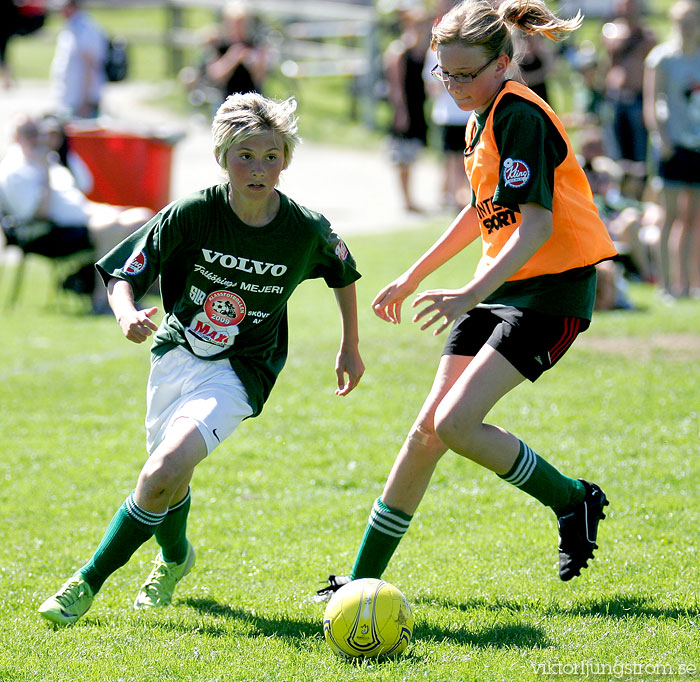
[242, 116]
[480, 23]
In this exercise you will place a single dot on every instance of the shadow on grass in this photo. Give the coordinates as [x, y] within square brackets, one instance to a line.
[512, 635]
[519, 635]
[620, 606]
[496, 604]
[283, 627]
[624, 606]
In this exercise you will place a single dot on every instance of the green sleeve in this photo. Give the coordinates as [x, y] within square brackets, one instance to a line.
[530, 149]
[136, 259]
[334, 262]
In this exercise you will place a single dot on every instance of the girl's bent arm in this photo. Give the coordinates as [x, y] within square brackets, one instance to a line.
[463, 230]
[348, 361]
[135, 324]
[535, 229]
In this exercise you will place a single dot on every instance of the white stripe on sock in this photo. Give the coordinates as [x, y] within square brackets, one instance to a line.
[141, 515]
[390, 516]
[387, 523]
[523, 462]
[525, 469]
[383, 529]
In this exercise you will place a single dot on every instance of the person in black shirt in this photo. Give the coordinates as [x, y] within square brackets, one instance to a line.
[403, 64]
[237, 63]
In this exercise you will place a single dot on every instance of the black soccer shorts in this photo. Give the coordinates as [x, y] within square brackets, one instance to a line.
[531, 341]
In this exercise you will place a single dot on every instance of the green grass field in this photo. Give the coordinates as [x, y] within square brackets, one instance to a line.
[284, 502]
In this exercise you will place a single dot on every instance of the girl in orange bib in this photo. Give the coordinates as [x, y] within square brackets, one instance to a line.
[532, 293]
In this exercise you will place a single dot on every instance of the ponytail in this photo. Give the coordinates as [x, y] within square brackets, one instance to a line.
[478, 23]
[533, 16]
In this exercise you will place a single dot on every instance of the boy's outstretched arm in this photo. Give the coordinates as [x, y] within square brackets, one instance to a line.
[135, 324]
[348, 362]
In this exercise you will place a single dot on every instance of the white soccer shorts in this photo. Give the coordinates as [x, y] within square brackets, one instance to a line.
[206, 391]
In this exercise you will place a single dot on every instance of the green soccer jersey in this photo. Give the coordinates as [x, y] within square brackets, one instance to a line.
[225, 284]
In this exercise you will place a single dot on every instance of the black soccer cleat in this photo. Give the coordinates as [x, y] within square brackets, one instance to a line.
[578, 531]
[335, 582]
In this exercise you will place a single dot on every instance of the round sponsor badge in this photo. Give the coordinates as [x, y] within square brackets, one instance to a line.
[136, 264]
[224, 308]
[516, 173]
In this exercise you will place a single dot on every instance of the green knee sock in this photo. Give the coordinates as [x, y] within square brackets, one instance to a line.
[171, 534]
[540, 479]
[130, 527]
[384, 531]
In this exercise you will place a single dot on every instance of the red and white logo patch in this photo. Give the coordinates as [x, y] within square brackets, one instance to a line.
[136, 264]
[516, 173]
[341, 250]
[224, 308]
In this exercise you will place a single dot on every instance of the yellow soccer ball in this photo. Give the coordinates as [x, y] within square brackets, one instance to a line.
[367, 618]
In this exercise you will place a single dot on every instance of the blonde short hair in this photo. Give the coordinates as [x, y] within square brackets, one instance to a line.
[242, 116]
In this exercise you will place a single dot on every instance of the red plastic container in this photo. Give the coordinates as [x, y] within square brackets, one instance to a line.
[128, 169]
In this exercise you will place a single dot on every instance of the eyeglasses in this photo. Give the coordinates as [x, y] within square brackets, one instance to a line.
[461, 78]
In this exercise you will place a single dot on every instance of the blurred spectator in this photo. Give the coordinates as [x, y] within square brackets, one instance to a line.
[536, 59]
[33, 186]
[52, 128]
[626, 42]
[17, 18]
[451, 122]
[622, 217]
[237, 63]
[235, 58]
[611, 287]
[591, 95]
[78, 66]
[633, 225]
[8, 22]
[404, 60]
[587, 89]
[672, 110]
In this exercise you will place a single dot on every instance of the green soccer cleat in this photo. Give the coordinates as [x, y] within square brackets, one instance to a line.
[158, 589]
[70, 603]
